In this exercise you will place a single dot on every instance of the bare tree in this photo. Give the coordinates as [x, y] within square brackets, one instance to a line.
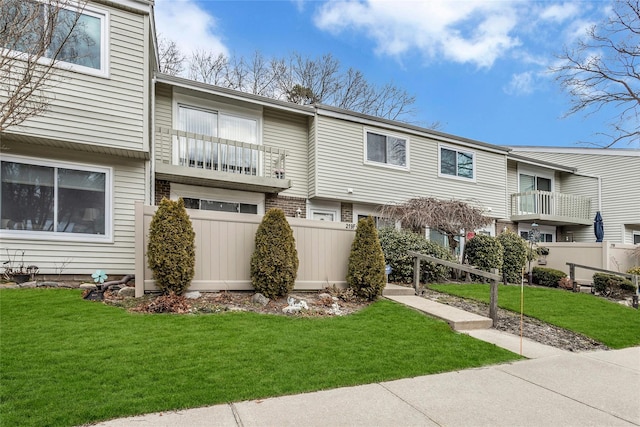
[303, 80]
[34, 38]
[452, 218]
[603, 69]
[171, 59]
[208, 68]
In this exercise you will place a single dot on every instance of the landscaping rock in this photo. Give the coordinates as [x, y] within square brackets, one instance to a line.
[28, 285]
[89, 286]
[48, 284]
[192, 295]
[127, 292]
[260, 299]
[325, 296]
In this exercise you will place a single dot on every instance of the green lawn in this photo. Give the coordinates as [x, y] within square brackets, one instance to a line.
[608, 322]
[65, 361]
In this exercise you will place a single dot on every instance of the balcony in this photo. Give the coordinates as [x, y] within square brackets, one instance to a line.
[551, 208]
[191, 158]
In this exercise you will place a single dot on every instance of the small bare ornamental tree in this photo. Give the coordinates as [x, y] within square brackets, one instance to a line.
[453, 218]
[35, 36]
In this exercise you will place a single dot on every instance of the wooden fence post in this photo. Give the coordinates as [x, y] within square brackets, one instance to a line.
[493, 304]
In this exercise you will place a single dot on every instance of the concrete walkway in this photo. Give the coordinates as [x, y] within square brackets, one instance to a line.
[581, 389]
[558, 388]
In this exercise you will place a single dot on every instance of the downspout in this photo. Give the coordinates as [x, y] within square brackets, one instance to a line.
[152, 148]
[599, 178]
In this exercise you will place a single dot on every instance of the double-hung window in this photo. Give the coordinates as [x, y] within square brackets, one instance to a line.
[54, 199]
[386, 149]
[76, 36]
[223, 142]
[457, 163]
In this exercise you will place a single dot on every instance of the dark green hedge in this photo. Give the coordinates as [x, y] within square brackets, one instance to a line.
[396, 244]
[547, 276]
[602, 280]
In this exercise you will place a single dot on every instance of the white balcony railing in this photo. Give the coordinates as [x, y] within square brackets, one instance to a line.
[551, 205]
[192, 150]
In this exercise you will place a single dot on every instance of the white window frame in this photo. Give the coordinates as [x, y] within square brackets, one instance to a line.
[633, 237]
[536, 172]
[187, 101]
[324, 208]
[94, 12]
[386, 134]
[107, 237]
[361, 210]
[457, 150]
[220, 195]
[182, 100]
[544, 229]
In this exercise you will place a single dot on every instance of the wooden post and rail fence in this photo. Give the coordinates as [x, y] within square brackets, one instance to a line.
[494, 276]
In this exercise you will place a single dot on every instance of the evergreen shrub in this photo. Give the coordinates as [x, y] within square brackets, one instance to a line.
[274, 263]
[365, 273]
[171, 249]
[396, 244]
[514, 256]
[484, 252]
[601, 281]
[547, 276]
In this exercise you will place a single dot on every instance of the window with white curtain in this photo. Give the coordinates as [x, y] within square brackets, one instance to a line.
[227, 154]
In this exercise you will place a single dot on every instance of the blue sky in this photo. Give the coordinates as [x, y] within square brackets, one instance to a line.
[480, 68]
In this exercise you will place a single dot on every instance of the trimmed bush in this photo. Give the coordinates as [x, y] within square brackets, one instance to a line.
[171, 251]
[365, 273]
[602, 281]
[484, 252]
[396, 243]
[547, 276]
[514, 255]
[274, 263]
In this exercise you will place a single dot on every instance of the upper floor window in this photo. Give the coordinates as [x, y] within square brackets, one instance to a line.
[457, 163]
[74, 36]
[54, 199]
[386, 149]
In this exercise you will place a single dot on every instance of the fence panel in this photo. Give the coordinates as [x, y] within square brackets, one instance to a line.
[225, 243]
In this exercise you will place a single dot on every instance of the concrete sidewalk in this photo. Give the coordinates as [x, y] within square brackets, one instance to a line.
[569, 389]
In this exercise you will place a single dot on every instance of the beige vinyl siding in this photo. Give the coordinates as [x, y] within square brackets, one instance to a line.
[115, 257]
[284, 130]
[97, 110]
[164, 106]
[340, 165]
[620, 176]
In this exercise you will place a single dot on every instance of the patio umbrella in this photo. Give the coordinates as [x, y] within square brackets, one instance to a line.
[598, 227]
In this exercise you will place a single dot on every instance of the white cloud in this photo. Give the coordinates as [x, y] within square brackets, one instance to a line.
[560, 12]
[476, 32]
[189, 25]
[520, 84]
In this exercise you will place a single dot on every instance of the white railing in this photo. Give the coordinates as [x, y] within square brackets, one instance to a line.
[547, 203]
[193, 150]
